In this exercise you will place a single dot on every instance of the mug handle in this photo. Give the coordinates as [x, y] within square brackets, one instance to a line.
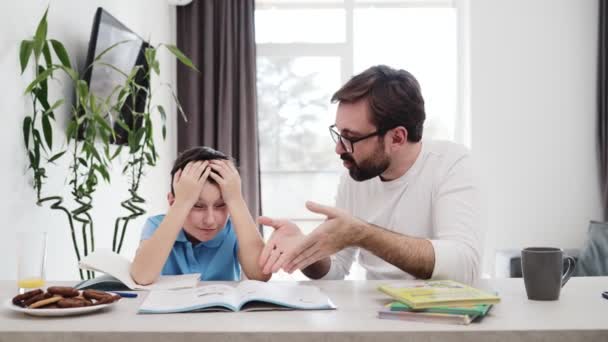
[569, 270]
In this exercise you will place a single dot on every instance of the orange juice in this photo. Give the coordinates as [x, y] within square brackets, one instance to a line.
[30, 283]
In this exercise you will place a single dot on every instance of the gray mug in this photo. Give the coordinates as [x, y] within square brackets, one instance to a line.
[543, 271]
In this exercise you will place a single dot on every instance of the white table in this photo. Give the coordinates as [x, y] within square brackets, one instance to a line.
[581, 314]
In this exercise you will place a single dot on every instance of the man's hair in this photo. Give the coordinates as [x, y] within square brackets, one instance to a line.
[393, 96]
[199, 153]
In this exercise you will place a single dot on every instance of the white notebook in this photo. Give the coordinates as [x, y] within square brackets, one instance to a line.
[248, 295]
[117, 266]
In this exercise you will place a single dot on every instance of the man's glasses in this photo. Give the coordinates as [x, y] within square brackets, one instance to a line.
[349, 143]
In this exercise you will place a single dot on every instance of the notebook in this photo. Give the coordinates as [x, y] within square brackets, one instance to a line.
[118, 267]
[248, 295]
[433, 293]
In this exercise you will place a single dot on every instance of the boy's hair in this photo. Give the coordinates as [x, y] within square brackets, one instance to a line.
[198, 153]
[393, 97]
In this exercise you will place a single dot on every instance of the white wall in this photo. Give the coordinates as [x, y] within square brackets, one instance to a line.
[70, 22]
[533, 88]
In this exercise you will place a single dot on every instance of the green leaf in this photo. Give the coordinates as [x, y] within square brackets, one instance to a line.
[47, 131]
[46, 52]
[40, 36]
[102, 122]
[111, 67]
[71, 130]
[25, 51]
[57, 156]
[105, 138]
[104, 172]
[164, 130]
[71, 72]
[37, 140]
[148, 128]
[151, 60]
[179, 105]
[43, 94]
[149, 159]
[54, 106]
[36, 153]
[96, 155]
[83, 89]
[83, 162]
[27, 123]
[163, 114]
[98, 57]
[32, 158]
[117, 152]
[40, 78]
[180, 55]
[61, 53]
[123, 125]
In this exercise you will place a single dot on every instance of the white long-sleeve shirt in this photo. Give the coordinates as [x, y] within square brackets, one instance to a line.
[435, 199]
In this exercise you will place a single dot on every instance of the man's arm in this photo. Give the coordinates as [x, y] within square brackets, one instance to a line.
[415, 256]
[341, 231]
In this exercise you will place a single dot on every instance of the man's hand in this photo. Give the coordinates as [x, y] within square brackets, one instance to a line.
[279, 249]
[227, 177]
[188, 183]
[340, 230]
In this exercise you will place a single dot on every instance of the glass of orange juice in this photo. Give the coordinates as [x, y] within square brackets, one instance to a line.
[31, 260]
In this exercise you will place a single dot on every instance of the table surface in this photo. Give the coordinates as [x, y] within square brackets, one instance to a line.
[580, 314]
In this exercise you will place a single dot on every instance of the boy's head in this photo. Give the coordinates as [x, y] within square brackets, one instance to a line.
[199, 153]
[209, 214]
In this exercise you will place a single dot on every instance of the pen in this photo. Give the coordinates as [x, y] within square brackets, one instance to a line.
[605, 294]
[125, 294]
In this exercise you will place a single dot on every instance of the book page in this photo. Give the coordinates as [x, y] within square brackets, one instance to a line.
[286, 294]
[204, 297]
[119, 267]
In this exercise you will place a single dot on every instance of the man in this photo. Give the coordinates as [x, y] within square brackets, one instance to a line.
[407, 208]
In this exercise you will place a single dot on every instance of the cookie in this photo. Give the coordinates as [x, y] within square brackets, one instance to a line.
[107, 300]
[45, 302]
[19, 299]
[95, 294]
[71, 303]
[36, 298]
[64, 291]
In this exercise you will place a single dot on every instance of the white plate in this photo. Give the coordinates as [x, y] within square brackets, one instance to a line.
[55, 312]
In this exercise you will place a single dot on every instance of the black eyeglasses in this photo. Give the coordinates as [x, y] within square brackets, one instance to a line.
[349, 143]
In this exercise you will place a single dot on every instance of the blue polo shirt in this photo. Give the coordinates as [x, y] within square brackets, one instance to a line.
[215, 259]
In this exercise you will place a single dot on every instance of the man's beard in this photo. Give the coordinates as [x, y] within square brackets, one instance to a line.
[368, 168]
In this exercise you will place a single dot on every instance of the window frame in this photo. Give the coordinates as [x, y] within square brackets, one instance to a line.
[345, 52]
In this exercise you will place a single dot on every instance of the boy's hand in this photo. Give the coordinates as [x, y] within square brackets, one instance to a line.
[228, 179]
[188, 183]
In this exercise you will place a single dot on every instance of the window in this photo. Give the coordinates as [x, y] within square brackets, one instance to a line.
[306, 50]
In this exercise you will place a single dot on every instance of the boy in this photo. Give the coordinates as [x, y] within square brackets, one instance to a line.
[208, 228]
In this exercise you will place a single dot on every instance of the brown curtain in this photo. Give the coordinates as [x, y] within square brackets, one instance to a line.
[220, 102]
[602, 104]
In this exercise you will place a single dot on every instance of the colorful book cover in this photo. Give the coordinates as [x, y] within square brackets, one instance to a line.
[433, 293]
[471, 310]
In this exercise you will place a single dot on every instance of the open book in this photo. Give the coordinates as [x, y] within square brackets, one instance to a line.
[118, 267]
[248, 295]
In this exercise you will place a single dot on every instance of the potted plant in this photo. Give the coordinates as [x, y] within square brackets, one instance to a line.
[88, 134]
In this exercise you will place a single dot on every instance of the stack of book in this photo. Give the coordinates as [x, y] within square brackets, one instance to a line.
[440, 301]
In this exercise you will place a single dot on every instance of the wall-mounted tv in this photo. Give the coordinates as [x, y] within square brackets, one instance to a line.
[108, 31]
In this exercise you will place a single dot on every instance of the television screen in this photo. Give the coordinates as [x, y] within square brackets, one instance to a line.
[102, 80]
